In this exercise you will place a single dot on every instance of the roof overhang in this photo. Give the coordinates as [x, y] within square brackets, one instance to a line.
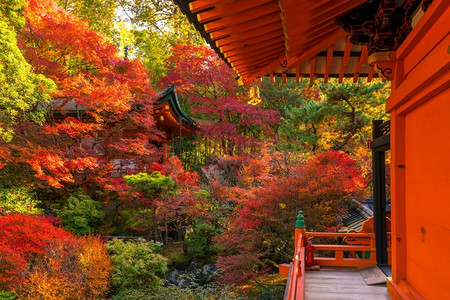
[293, 38]
[170, 116]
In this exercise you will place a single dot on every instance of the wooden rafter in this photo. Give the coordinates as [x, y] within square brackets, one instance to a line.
[249, 25]
[300, 45]
[345, 58]
[260, 52]
[257, 55]
[229, 9]
[247, 51]
[256, 61]
[312, 64]
[242, 17]
[371, 73]
[325, 13]
[251, 37]
[250, 68]
[200, 5]
[362, 61]
[266, 69]
[283, 37]
[328, 63]
[313, 50]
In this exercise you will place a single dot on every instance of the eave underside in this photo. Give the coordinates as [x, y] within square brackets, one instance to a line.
[285, 38]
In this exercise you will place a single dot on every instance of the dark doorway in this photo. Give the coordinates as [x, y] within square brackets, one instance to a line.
[380, 144]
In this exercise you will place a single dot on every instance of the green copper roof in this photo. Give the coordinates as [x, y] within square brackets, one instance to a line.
[170, 96]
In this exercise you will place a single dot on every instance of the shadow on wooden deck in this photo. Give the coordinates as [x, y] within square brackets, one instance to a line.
[341, 283]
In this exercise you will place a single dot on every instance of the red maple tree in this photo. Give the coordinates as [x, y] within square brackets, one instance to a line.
[260, 229]
[210, 90]
[40, 260]
[102, 107]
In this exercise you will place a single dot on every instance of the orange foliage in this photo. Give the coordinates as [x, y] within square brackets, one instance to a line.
[266, 204]
[94, 267]
[100, 98]
[41, 261]
[82, 274]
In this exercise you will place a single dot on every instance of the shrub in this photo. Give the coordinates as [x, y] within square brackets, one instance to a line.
[94, 267]
[131, 294]
[136, 264]
[172, 292]
[19, 200]
[81, 214]
[152, 184]
[137, 218]
[25, 240]
[7, 296]
[200, 240]
[83, 273]
[39, 260]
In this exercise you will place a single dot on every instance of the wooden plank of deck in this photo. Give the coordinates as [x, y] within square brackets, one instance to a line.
[341, 283]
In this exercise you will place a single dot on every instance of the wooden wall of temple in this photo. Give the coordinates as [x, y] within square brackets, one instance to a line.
[420, 147]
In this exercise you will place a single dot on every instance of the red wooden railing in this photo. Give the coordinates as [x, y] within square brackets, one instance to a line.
[296, 280]
[364, 242]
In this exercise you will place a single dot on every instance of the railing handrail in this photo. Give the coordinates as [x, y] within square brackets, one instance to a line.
[297, 273]
[364, 242]
[340, 234]
[288, 283]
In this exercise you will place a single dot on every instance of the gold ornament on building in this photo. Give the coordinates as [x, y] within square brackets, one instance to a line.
[253, 95]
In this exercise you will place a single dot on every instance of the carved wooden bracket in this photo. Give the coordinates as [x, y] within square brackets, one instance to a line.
[384, 64]
[382, 25]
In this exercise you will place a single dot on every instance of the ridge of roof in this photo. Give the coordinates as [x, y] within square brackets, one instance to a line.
[170, 96]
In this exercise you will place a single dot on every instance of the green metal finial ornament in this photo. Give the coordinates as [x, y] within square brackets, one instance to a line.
[300, 223]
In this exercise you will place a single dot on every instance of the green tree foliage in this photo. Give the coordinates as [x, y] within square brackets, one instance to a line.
[19, 200]
[7, 296]
[136, 264]
[354, 106]
[152, 184]
[12, 12]
[81, 214]
[21, 91]
[153, 193]
[200, 240]
[100, 13]
[164, 200]
[327, 116]
[151, 29]
[300, 126]
[279, 95]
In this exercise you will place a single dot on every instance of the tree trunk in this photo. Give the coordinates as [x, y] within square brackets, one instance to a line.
[166, 237]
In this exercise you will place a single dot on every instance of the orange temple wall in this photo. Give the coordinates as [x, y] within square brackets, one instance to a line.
[420, 148]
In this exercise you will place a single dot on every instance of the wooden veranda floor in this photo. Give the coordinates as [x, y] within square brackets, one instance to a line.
[341, 283]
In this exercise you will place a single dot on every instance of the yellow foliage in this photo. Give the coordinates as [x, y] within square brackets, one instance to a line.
[83, 272]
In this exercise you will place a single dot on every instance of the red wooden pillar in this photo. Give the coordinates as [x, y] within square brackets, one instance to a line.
[85, 188]
[166, 150]
[420, 165]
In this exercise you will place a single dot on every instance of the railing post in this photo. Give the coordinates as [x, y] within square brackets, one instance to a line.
[300, 227]
[296, 274]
